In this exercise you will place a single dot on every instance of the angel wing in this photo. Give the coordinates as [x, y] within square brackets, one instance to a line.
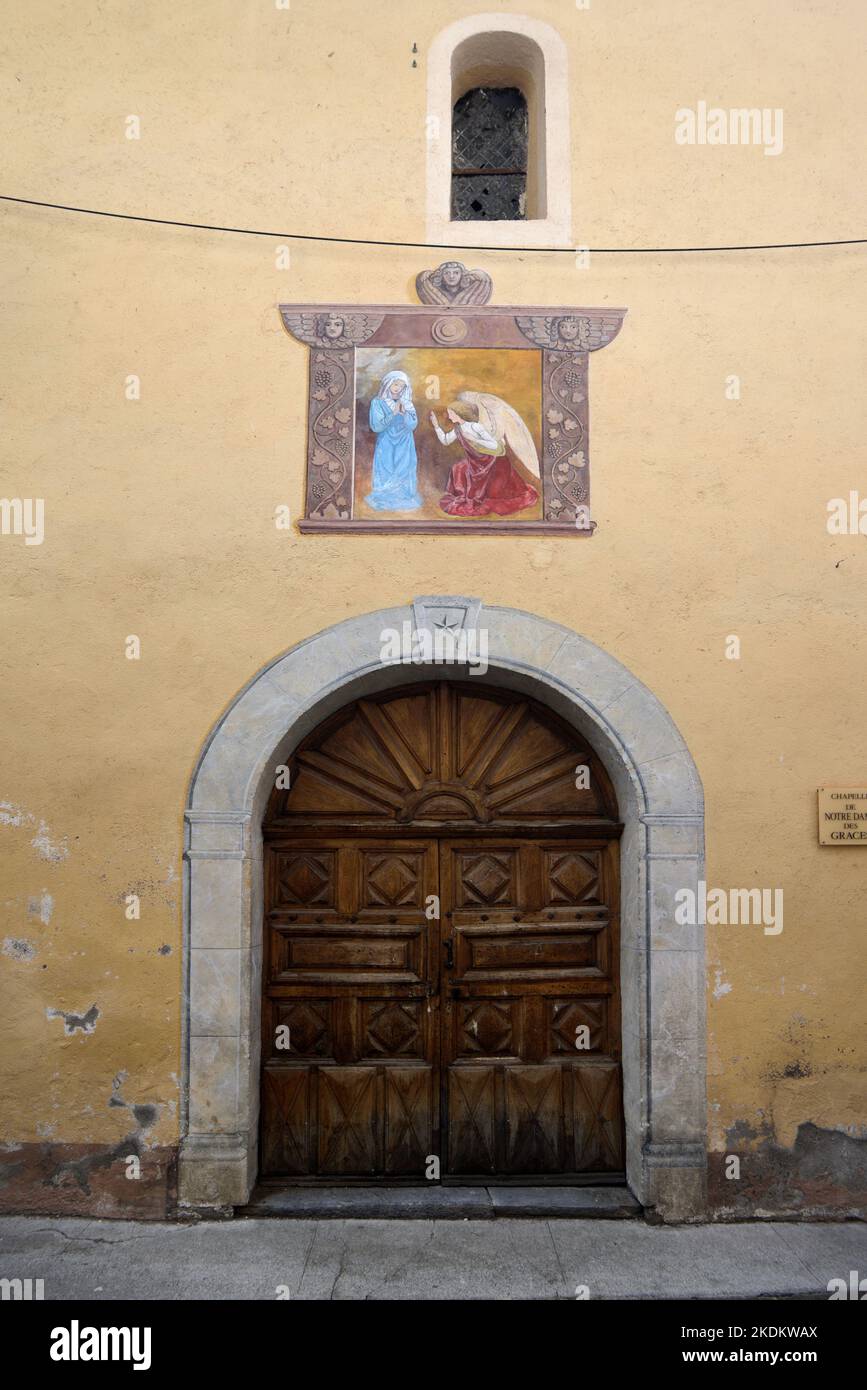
[504, 423]
[538, 328]
[301, 326]
[601, 330]
[359, 327]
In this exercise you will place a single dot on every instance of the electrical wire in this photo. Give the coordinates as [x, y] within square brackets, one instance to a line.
[434, 245]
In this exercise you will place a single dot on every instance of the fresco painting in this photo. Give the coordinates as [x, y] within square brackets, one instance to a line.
[448, 433]
[451, 416]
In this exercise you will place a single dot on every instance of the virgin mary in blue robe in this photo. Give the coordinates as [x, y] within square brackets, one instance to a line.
[393, 418]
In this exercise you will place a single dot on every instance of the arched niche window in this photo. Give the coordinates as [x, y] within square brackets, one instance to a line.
[498, 133]
[489, 155]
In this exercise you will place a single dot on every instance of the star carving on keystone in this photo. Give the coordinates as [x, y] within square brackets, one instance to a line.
[446, 625]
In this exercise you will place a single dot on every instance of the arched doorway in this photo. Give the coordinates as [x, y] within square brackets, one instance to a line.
[661, 805]
[441, 946]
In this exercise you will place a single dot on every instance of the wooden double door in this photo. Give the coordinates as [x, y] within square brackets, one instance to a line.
[441, 993]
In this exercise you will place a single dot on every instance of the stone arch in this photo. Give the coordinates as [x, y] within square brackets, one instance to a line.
[661, 804]
[507, 50]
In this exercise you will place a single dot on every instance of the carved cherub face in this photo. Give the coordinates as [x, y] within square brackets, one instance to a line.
[333, 326]
[568, 329]
[453, 274]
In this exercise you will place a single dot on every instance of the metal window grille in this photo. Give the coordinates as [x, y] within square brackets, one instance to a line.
[489, 155]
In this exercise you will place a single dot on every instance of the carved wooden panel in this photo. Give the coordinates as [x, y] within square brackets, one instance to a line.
[488, 1028]
[308, 1028]
[598, 1118]
[340, 953]
[392, 880]
[486, 879]
[567, 1016]
[357, 1121]
[408, 1120]
[471, 1120]
[305, 879]
[572, 877]
[525, 951]
[442, 753]
[285, 1128]
[452, 1034]
[347, 1120]
[533, 1106]
[392, 1028]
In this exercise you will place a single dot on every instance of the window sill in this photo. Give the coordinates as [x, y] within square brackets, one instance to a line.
[528, 233]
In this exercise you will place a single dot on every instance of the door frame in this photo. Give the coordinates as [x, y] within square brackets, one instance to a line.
[662, 852]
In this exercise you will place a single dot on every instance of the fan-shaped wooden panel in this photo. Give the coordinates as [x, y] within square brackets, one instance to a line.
[443, 753]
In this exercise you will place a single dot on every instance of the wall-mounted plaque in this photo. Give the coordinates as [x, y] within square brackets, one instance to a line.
[843, 815]
[449, 416]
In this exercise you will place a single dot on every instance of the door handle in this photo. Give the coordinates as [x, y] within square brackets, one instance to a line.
[450, 955]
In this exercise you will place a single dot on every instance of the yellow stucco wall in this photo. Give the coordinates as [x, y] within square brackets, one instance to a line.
[159, 513]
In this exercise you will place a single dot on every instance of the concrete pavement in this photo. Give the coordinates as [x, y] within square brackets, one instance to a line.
[509, 1258]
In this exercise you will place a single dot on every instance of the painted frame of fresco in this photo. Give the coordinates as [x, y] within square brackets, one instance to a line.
[564, 336]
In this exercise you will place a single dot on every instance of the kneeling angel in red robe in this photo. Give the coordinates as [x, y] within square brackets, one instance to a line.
[490, 434]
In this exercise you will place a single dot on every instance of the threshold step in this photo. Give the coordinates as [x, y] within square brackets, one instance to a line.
[440, 1203]
[598, 1202]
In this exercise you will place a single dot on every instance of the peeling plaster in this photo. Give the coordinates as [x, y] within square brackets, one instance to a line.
[721, 987]
[55, 851]
[116, 1099]
[72, 1022]
[146, 1115]
[18, 949]
[41, 907]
